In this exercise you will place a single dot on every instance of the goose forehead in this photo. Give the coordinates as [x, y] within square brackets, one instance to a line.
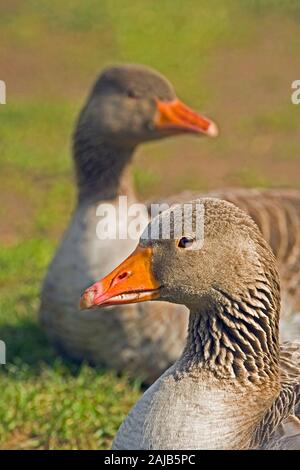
[181, 219]
[203, 217]
[139, 78]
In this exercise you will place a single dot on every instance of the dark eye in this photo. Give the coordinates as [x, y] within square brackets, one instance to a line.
[185, 242]
[132, 94]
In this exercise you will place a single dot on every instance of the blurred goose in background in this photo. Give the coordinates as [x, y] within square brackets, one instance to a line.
[128, 105]
[233, 387]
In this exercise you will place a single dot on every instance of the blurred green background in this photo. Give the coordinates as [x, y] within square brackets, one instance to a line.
[233, 60]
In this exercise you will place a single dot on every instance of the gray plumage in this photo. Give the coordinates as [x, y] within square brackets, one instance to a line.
[233, 387]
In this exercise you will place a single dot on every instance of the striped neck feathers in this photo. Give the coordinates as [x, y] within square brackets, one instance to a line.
[236, 337]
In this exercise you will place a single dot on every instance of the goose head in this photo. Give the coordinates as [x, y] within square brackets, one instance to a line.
[220, 253]
[214, 260]
[130, 104]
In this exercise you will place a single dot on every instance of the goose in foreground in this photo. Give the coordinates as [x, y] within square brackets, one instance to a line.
[128, 105]
[234, 386]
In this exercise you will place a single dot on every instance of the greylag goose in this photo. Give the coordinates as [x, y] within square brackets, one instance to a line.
[234, 386]
[127, 106]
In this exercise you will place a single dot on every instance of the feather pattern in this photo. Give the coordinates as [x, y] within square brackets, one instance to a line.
[234, 386]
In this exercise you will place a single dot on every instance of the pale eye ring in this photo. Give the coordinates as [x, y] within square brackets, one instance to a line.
[185, 242]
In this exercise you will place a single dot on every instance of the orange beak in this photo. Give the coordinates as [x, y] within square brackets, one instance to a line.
[130, 282]
[174, 116]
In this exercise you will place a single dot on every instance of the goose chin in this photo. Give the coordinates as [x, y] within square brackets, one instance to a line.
[130, 298]
[88, 300]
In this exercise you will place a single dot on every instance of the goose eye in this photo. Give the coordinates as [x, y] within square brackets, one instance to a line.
[132, 94]
[185, 242]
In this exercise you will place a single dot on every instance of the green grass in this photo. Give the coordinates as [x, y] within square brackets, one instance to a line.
[284, 119]
[48, 403]
[61, 407]
[50, 53]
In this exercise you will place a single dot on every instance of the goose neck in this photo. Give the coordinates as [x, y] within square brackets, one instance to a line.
[103, 169]
[236, 340]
